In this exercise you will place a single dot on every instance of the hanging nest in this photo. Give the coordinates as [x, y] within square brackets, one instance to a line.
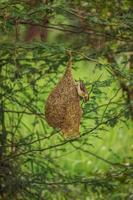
[62, 108]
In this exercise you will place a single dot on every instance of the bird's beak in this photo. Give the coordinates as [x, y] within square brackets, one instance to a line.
[86, 97]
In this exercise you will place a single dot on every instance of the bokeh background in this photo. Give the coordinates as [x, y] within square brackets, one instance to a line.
[36, 162]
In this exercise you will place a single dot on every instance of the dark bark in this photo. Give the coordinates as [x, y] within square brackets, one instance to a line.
[3, 129]
[37, 32]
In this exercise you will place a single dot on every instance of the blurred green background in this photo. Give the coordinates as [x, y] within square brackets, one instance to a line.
[36, 162]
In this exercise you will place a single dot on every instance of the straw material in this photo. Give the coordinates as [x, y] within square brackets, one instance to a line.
[62, 108]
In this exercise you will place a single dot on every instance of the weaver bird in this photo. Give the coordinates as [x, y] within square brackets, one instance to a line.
[82, 91]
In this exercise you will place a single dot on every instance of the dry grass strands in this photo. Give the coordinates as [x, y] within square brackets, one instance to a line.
[63, 106]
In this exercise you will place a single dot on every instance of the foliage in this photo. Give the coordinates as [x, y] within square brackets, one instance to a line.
[35, 161]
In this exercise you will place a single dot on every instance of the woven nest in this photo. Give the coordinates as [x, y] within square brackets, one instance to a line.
[62, 108]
